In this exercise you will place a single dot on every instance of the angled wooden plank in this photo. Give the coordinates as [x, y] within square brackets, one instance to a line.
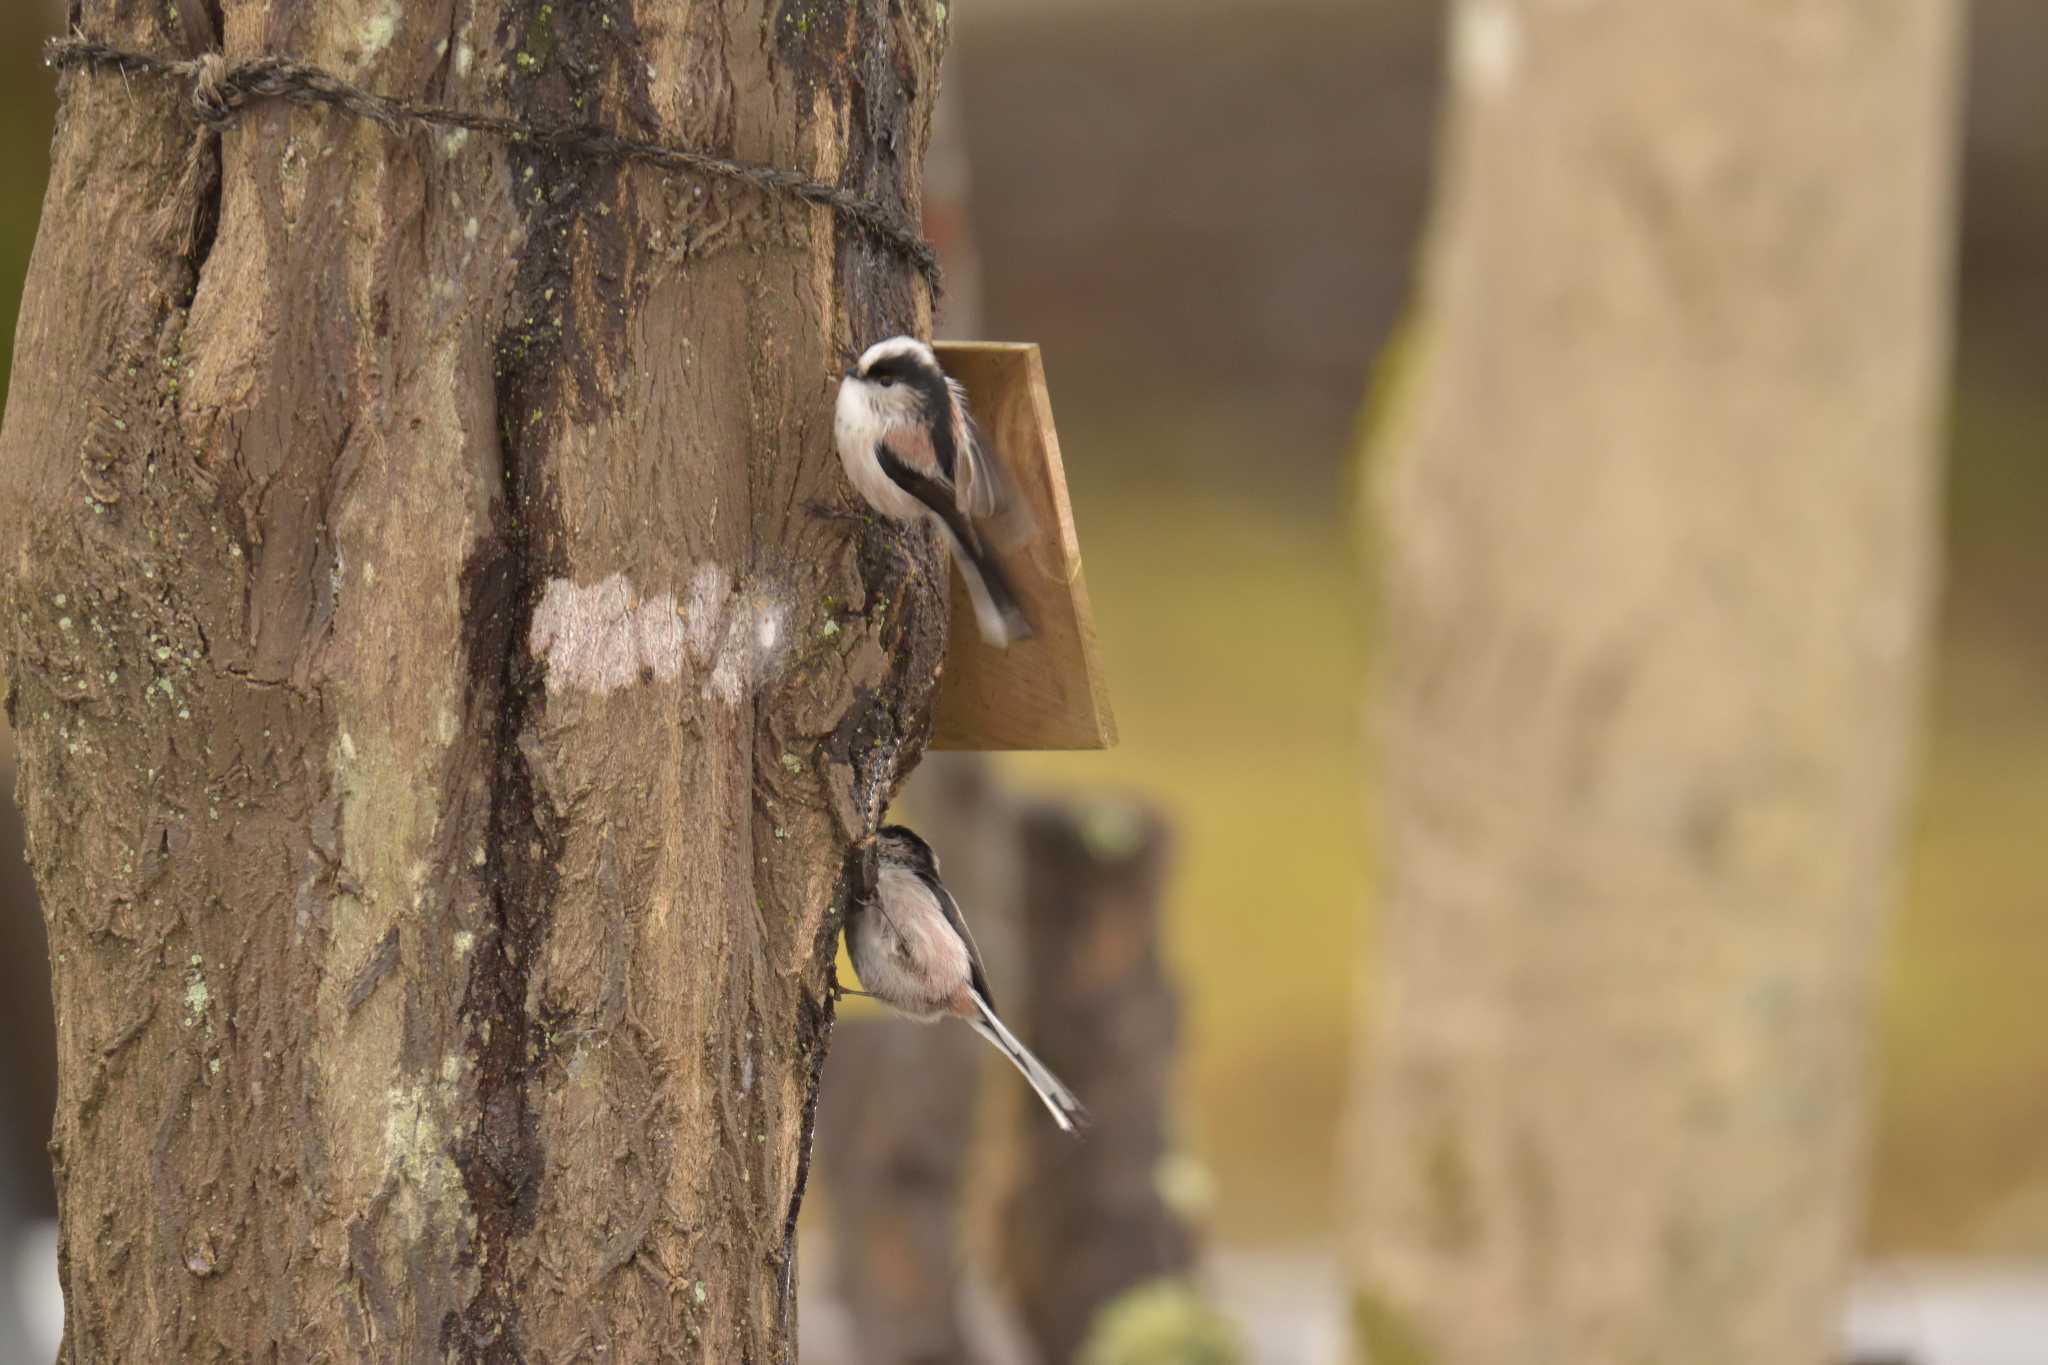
[1047, 692]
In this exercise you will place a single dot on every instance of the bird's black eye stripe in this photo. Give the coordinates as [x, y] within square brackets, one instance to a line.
[891, 370]
[925, 381]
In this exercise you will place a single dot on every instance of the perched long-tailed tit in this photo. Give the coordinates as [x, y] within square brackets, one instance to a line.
[912, 949]
[910, 448]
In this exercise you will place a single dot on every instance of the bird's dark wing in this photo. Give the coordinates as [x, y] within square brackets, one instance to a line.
[950, 908]
[933, 493]
[997, 609]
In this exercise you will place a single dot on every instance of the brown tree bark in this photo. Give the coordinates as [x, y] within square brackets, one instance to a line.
[1658, 504]
[443, 721]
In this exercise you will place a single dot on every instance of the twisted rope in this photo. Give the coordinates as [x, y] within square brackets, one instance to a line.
[220, 92]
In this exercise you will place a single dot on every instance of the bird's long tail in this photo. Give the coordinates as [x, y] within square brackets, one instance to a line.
[1066, 1110]
[996, 609]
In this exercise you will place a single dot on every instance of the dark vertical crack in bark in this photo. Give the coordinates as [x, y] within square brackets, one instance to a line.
[196, 23]
[549, 370]
[500, 1160]
[207, 171]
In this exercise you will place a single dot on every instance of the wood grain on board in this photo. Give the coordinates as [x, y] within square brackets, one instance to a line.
[1047, 692]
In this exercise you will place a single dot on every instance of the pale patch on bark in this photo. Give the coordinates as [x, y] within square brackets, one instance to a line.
[728, 675]
[605, 636]
[708, 592]
[598, 638]
[384, 892]
[750, 646]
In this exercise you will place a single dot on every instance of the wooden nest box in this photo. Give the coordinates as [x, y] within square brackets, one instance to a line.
[1047, 692]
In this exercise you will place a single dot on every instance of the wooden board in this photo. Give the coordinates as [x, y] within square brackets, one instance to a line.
[1047, 692]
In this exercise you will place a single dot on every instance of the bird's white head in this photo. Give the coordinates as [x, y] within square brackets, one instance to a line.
[895, 383]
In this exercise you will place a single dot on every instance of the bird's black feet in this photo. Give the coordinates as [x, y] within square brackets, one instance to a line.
[840, 990]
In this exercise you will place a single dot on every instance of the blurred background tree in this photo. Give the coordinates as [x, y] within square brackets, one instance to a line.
[1656, 484]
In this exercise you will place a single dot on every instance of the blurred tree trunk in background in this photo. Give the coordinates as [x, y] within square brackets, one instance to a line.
[438, 762]
[1090, 1221]
[1658, 500]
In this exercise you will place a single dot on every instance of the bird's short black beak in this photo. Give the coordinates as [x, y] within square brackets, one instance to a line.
[852, 371]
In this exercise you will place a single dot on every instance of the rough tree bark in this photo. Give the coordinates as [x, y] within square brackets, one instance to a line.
[1658, 505]
[443, 721]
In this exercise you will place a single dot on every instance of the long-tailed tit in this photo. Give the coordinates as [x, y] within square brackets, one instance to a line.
[910, 448]
[912, 949]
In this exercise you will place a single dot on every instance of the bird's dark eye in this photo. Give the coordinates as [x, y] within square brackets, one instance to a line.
[887, 381]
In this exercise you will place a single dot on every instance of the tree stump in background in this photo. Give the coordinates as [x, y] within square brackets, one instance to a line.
[1087, 1220]
[896, 1126]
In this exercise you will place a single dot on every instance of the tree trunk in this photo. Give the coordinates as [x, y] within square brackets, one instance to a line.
[1659, 504]
[443, 722]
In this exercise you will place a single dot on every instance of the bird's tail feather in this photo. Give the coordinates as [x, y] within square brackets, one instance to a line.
[1066, 1110]
[997, 611]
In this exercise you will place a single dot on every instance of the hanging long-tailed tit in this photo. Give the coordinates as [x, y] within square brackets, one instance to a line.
[910, 448]
[912, 949]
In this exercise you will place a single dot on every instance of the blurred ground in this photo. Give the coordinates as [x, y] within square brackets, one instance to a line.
[1207, 213]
